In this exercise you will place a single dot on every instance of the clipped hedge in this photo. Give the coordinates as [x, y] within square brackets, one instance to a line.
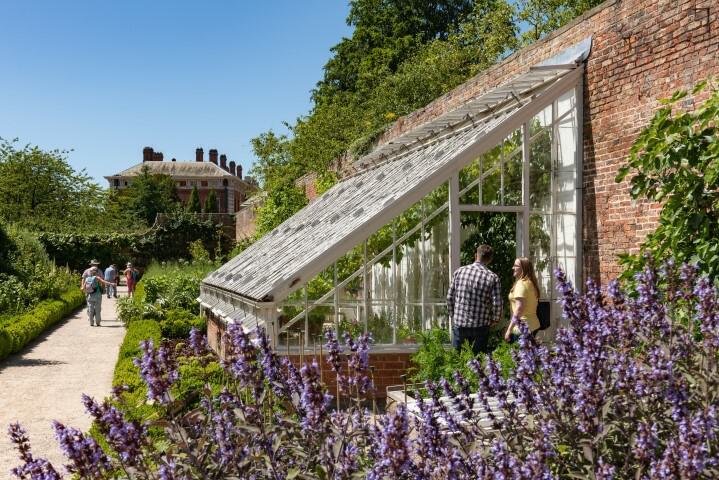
[126, 373]
[19, 330]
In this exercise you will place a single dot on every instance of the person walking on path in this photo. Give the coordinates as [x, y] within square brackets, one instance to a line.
[93, 263]
[91, 286]
[111, 277]
[523, 298]
[474, 302]
[131, 277]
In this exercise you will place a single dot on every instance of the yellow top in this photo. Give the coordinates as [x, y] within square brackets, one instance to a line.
[524, 289]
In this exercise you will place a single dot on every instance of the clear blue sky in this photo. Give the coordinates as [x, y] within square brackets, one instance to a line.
[106, 78]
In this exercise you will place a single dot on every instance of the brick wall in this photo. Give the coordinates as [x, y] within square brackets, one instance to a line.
[388, 367]
[642, 50]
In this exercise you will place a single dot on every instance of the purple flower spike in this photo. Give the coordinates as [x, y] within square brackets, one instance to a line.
[126, 438]
[32, 468]
[157, 370]
[86, 457]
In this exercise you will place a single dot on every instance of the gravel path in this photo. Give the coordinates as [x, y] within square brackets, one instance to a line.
[44, 382]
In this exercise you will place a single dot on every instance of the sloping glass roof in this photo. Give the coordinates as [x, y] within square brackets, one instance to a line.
[388, 182]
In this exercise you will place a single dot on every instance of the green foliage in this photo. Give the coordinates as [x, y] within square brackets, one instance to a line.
[545, 16]
[169, 241]
[211, 204]
[35, 185]
[436, 359]
[150, 194]
[18, 331]
[675, 161]
[193, 203]
[279, 205]
[178, 323]
[198, 252]
[29, 276]
[126, 373]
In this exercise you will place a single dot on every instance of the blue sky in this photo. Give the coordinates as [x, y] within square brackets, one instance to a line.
[106, 78]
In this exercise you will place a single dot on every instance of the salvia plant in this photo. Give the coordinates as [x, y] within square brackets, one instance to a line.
[628, 389]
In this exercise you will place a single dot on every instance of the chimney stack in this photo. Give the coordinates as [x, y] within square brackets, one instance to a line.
[223, 162]
[232, 167]
[213, 156]
[239, 171]
[198, 154]
[147, 154]
[157, 156]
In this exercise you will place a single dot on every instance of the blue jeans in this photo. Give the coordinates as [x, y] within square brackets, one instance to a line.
[476, 336]
[111, 289]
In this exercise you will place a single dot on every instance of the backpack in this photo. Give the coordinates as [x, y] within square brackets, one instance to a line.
[543, 314]
[135, 276]
[90, 285]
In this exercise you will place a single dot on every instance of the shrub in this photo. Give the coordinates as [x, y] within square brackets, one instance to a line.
[436, 359]
[178, 323]
[127, 374]
[675, 161]
[18, 331]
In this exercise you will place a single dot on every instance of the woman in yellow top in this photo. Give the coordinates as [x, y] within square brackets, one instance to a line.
[523, 298]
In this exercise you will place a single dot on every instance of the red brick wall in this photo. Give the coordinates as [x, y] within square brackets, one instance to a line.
[388, 367]
[642, 50]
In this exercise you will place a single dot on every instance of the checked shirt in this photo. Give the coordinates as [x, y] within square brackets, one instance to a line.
[474, 298]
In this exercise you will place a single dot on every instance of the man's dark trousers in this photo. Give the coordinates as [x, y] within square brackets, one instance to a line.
[477, 337]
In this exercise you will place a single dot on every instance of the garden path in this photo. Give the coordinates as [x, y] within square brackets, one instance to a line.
[46, 380]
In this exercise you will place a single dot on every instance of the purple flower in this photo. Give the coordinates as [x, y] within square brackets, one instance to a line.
[34, 469]
[86, 457]
[314, 400]
[158, 371]
[126, 438]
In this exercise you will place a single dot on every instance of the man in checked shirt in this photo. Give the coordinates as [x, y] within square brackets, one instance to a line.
[474, 301]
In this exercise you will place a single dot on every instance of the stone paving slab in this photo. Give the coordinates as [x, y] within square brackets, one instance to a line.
[45, 381]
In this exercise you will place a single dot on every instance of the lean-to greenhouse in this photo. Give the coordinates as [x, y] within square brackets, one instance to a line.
[376, 251]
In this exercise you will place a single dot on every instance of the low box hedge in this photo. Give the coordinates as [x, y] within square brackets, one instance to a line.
[126, 373]
[19, 330]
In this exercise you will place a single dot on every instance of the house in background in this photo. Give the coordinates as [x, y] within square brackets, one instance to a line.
[222, 177]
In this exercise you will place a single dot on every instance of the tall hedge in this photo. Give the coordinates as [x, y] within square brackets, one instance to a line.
[17, 331]
[164, 242]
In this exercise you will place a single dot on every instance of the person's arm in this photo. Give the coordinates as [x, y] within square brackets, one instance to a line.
[515, 318]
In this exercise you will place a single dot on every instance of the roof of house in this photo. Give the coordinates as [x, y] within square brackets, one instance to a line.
[179, 169]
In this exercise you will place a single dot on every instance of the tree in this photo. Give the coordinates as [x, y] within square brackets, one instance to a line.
[675, 161]
[193, 203]
[36, 185]
[545, 16]
[211, 204]
[150, 194]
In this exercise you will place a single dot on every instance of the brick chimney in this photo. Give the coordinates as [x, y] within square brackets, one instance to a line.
[239, 171]
[223, 162]
[199, 154]
[232, 167]
[157, 156]
[147, 154]
[213, 156]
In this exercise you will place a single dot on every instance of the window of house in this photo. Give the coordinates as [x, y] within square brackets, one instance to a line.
[203, 183]
[182, 183]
